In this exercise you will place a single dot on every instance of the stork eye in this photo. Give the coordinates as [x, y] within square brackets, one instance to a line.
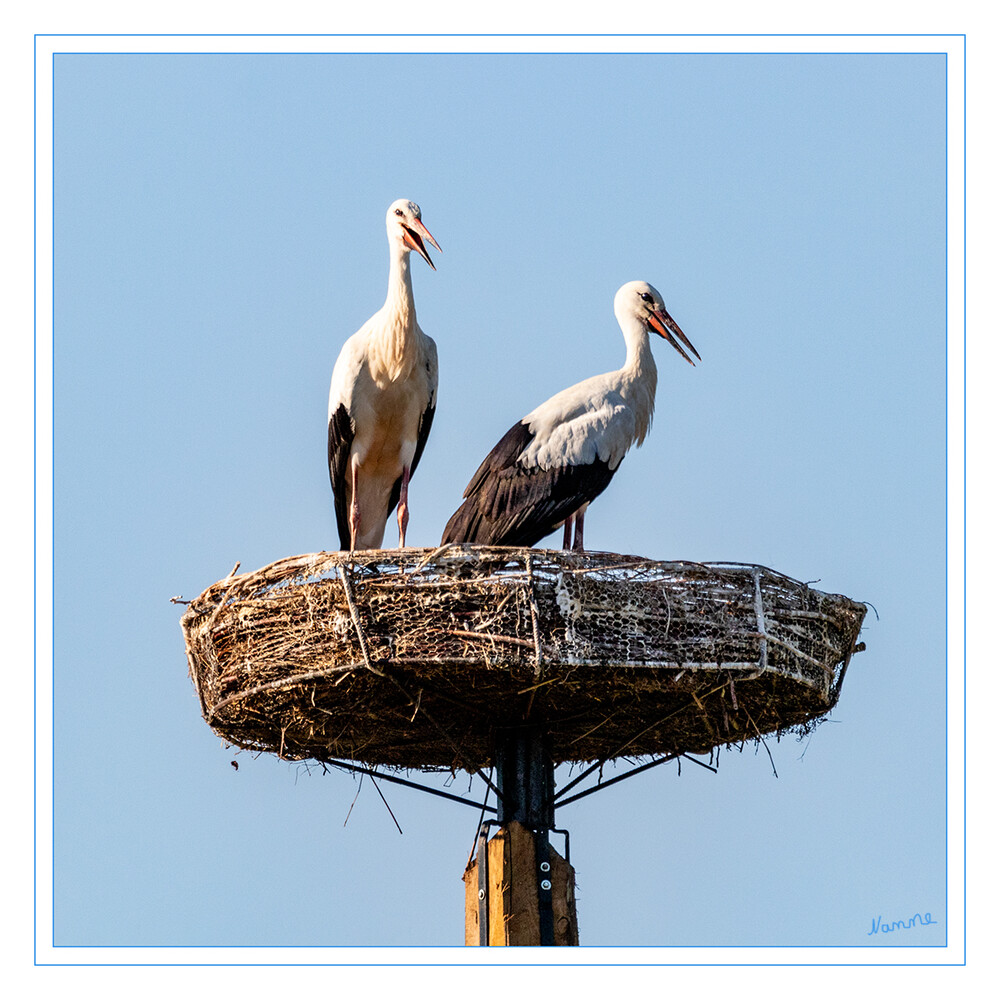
[399, 211]
[645, 296]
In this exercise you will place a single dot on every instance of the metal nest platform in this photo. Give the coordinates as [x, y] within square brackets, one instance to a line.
[425, 659]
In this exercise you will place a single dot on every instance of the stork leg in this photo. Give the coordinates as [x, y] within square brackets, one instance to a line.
[578, 537]
[403, 510]
[567, 532]
[355, 506]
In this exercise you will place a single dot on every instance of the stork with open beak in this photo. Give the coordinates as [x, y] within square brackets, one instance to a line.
[382, 398]
[552, 463]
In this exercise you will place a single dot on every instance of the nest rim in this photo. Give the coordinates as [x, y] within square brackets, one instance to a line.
[441, 711]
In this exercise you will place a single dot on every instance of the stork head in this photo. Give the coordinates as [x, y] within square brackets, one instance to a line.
[405, 229]
[640, 301]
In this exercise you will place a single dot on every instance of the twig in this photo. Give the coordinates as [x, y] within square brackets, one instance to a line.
[479, 826]
[763, 743]
[382, 797]
[355, 799]
[533, 606]
[791, 649]
[758, 604]
[222, 600]
[356, 618]
[535, 687]
[284, 682]
[433, 554]
[592, 729]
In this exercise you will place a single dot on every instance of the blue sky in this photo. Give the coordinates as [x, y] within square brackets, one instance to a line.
[219, 233]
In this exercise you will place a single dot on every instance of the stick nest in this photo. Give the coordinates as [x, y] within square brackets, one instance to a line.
[420, 658]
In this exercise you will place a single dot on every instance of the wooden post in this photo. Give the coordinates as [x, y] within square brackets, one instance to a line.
[512, 892]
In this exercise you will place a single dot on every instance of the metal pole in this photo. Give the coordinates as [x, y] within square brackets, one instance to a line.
[526, 779]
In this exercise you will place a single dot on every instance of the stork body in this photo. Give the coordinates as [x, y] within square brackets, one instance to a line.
[552, 463]
[382, 398]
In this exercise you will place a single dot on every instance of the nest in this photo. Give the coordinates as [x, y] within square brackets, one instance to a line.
[422, 658]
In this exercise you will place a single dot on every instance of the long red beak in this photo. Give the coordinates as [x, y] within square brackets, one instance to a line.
[662, 322]
[412, 234]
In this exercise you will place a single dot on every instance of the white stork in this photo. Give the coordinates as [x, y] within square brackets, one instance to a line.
[382, 398]
[552, 463]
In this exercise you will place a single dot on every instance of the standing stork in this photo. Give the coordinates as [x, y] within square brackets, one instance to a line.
[552, 463]
[382, 397]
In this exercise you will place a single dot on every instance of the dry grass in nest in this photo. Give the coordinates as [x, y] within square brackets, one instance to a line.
[419, 658]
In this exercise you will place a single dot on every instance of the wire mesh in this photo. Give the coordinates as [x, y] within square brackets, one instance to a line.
[420, 658]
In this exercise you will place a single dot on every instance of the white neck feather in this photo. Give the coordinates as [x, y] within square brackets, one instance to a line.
[394, 344]
[638, 376]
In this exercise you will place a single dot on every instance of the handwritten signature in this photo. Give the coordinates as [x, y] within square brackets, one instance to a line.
[897, 925]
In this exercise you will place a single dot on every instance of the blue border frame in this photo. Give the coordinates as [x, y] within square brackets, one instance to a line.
[403, 964]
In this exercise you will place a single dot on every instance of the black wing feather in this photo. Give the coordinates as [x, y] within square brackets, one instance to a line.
[509, 504]
[340, 435]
